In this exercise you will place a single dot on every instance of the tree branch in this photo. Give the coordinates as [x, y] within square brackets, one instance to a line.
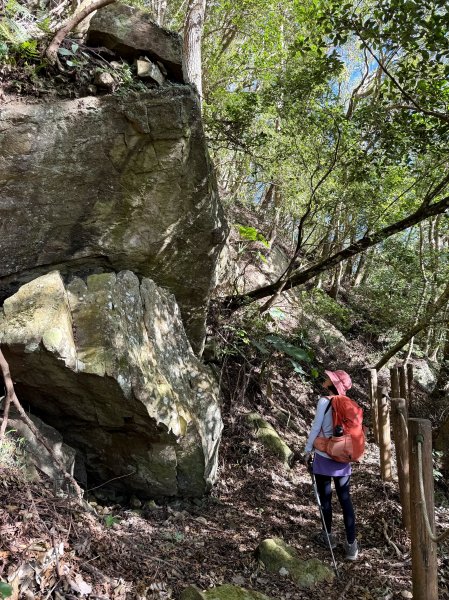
[414, 105]
[419, 326]
[11, 396]
[52, 50]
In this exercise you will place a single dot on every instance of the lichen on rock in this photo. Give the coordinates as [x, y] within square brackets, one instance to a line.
[107, 362]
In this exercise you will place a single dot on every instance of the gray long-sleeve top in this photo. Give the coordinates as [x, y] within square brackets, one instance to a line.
[322, 425]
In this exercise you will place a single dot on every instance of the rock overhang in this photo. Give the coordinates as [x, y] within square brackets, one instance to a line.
[107, 363]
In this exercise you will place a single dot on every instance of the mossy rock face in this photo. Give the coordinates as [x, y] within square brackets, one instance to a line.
[106, 362]
[140, 196]
[270, 438]
[277, 555]
[222, 592]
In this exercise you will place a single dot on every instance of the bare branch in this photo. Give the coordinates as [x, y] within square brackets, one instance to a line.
[11, 395]
[52, 50]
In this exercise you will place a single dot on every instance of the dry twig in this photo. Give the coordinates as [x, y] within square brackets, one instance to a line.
[11, 398]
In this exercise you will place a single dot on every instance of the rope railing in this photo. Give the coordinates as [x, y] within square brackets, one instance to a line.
[435, 538]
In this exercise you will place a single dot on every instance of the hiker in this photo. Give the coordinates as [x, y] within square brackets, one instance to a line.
[325, 469]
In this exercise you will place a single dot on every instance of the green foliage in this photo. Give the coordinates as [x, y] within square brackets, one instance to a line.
[18, 33]
[12, 451]
[251, 234]
[256, 337]
[5, 589]
[289, 349]
[338, 314]
[437, 461]
[110, 520]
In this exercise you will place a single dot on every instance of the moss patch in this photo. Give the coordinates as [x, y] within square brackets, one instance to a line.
[275, 554]
[223, 592]
[270, 438]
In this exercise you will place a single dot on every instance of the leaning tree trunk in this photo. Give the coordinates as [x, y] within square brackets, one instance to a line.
[369, 240]
[193, 31]
[52, 50]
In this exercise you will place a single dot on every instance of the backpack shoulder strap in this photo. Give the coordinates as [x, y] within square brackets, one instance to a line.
[328, 406]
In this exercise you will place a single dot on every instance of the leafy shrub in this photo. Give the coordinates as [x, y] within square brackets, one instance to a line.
[330, 310]
[251, 234]
[11, 452]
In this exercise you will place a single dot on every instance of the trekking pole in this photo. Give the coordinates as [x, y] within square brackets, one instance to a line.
[317, 496]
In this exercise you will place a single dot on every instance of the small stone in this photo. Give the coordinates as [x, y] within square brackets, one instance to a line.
[151, 505]
[115, 65]
[283, 571]
[148, 70]
[135, 502]
[104, 80]
[406, 594]
[201, 520]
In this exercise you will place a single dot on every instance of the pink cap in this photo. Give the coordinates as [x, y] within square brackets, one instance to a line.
[341, 381]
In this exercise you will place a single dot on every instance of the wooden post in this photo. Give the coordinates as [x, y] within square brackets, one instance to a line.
[409, 385]
[394, 376]
[400, 433]
[372, 379]
[402, 384]
[384, 438]
[424, 551]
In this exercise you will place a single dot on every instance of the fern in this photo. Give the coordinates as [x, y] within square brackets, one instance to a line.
[14, 9]
[12, 32]
[18, 32]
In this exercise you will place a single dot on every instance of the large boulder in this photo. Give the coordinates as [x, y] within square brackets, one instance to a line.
[131, 32]
[106, 361]
[111, 183]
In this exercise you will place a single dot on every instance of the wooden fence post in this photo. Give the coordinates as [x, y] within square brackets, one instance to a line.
[372, 378]
[409, 384]
[394, 376]
[384, 438]
[402, 384]
[424, 551]
[400, 434]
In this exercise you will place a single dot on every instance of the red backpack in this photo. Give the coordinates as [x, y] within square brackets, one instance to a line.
[350, 445]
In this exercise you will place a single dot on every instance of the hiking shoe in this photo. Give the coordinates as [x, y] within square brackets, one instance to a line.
[352, 550]
[321, 539]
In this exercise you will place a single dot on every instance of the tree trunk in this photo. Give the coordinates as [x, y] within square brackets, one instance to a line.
[422, 324]
[193, 32]
[360, 271]
[268, 198]
[442, 384]
[335, 288]
[159, 9]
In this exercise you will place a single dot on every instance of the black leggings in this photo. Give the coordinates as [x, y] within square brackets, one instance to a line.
[323, 483]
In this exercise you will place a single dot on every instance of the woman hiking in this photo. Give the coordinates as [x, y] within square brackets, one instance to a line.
[325, 468]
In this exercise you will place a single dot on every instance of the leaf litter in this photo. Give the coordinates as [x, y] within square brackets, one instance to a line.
[50, 547]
